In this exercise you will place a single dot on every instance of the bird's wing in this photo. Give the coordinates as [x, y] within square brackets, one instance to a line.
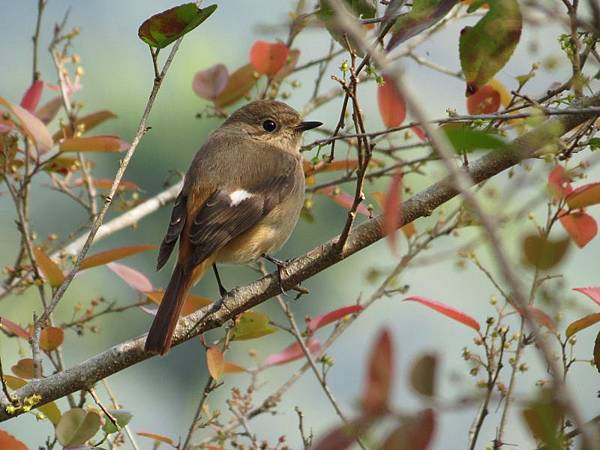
[229, 212]
[176, 224]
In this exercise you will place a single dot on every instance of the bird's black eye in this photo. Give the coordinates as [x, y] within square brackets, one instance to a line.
[269, 125]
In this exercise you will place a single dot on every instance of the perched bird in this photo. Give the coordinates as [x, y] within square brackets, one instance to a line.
[241, 200]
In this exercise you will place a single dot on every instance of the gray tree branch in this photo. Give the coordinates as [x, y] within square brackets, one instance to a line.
[128, 353]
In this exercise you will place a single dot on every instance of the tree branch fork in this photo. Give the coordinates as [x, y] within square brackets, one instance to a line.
[123, 355]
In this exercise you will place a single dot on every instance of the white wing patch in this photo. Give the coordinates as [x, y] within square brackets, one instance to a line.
[238, 197]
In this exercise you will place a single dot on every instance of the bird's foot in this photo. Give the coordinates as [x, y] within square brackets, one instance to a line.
[281, 265]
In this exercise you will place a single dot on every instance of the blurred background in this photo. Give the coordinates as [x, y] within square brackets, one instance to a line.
[162, 393]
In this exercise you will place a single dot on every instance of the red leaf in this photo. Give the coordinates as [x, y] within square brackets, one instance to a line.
[376, 392]
[106, 183]
[332, 316]
[268, 58]
[32, 97]
[209, 83]
[584, 196]
[559, 183]
[49, 110]
[292, 353]
[344, 199]
[343, 436]
[542, 318]
[591, 292]
[135, 279]
[392, 107]
[415, 433]
[31, 125]
[391, 210]
[446, 310]
[581, 227]
[14, 328]
[420, 133]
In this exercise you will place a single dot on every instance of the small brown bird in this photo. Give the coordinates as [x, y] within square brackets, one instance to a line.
[240, 201]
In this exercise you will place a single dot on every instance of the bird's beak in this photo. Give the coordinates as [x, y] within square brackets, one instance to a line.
[304, 126]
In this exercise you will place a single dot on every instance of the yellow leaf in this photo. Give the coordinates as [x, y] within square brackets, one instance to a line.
[49, 268]
[582, 323]
[215, 362]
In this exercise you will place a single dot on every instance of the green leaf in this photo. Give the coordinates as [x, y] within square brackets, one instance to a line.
[365, 9]
[423, 15]
[166, 27]
[251, 325]
[422, 375]
[77, 426]
[544, 253]
[594, 143]
[543, 417]
[51, 411]
[486, 47]
[122, 418]
[597, 352]
[467, 140]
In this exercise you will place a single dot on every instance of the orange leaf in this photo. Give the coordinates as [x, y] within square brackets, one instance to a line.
[105, 144]
[447, 311]
[14, 328]
[232, 368]
[51, 338]
[114, 254]
[581, 227]
[238, 85]
[84, 124]
[192, 302]
[33, 127]
[156, 437]
[215, 362]
[23, 368]
[106, 183]
[268, 58]
[392, 107]
[49, 268]
[9, 442]
[376, 393]
[581, 324]
[391, 210]
[584, 196]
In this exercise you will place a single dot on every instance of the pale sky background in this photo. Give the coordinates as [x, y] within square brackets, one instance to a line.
[162, 393]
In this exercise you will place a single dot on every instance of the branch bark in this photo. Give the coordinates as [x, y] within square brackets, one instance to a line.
[128, 353]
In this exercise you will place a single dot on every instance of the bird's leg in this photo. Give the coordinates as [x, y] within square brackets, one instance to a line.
[280, 266]
[222, 291]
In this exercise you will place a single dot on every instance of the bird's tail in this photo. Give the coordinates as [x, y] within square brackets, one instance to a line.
[161, 332]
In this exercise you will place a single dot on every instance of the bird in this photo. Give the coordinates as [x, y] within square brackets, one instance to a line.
[240, 201]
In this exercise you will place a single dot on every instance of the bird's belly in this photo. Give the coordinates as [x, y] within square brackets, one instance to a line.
[267, 236]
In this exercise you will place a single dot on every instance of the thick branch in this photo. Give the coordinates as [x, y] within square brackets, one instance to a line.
[318, 259]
